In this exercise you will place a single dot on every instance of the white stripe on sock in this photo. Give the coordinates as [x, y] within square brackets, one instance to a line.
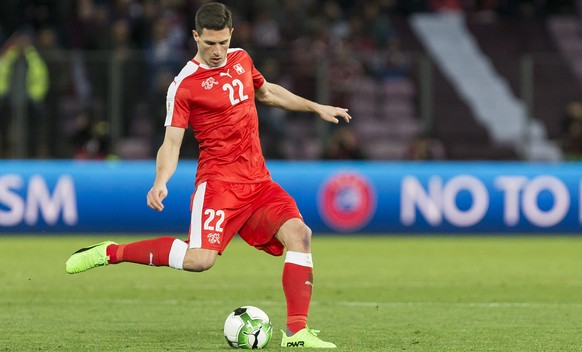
[303, 259]
[177, 254]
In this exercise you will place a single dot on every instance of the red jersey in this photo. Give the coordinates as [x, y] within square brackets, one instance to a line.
[218, 103]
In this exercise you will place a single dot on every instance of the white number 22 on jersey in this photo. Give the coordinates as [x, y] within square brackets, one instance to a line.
[231, 91]
[212, 224]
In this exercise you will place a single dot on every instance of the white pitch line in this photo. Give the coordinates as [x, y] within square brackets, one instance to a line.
[382, 304]
[461, 304]
[171, 302]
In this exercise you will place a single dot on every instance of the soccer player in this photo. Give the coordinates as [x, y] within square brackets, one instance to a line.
[215, 95]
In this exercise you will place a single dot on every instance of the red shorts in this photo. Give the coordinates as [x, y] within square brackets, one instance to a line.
[256, 211]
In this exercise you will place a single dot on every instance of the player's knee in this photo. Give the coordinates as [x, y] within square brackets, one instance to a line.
[306, 233]
[197, 266]
[198, 261]
[302, 238]
[306, 239]
[295, 235]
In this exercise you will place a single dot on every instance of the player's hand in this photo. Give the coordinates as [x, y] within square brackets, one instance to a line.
[332, 114]
[155, 197]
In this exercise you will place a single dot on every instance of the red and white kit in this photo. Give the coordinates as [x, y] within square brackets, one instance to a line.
[234, 191]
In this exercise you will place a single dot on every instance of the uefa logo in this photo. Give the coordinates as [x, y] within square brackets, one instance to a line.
[347, 201]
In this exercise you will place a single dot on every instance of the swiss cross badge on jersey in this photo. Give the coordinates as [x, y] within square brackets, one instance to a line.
[239, 69]
[213, 238]
[209, 83]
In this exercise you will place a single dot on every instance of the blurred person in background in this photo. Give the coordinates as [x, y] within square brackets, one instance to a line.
[214, 94]
[265, 34]
[90, 139]
[130, 67]
[50, 50]
[343, 145]
[156, 104]
[425, 147]
[24, 82]
[163, 51]
[273, 121]
[571, 139]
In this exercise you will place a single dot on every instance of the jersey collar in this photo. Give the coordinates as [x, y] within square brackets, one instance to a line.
[204, 66]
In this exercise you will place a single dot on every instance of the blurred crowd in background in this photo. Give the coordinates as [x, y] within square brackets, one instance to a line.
[64, 48]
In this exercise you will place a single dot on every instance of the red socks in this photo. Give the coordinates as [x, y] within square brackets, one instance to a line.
[297, 285]
[297, 272]
[149, 252]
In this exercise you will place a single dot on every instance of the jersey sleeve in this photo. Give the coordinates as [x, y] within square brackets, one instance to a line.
[177, 106]
[258, 79]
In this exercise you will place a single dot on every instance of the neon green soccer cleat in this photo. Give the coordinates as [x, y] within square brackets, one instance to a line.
[305, 338]
[88, 258]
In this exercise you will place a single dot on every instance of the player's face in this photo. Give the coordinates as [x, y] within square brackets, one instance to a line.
[212, 46]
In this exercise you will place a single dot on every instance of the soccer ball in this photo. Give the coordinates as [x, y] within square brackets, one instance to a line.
[248, 327]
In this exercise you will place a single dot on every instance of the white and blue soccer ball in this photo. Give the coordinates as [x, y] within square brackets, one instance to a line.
[248, 327]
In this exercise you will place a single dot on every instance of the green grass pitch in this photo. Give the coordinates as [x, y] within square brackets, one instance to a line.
[378, 293]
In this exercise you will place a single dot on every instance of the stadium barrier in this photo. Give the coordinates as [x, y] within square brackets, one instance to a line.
[334, 197]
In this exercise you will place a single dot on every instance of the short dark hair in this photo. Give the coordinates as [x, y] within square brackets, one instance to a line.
[213, 16]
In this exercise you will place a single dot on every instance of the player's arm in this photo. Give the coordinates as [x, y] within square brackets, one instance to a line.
[166, 163]
[275, 95]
